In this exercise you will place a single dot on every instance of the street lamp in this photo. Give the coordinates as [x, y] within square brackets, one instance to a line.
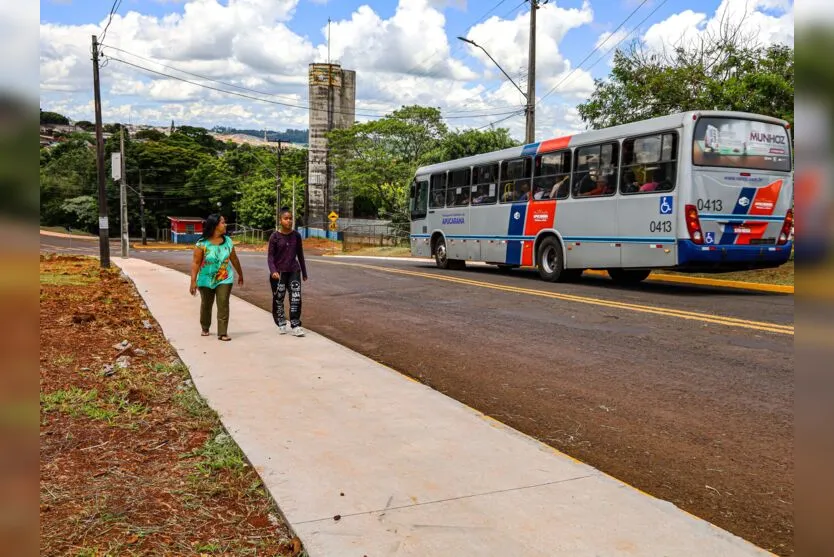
[473, 43]
[530, 96]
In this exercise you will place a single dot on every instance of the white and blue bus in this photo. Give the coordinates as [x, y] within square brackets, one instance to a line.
[707, 191]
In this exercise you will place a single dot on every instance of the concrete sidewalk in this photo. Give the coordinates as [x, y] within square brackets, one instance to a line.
[407, 470]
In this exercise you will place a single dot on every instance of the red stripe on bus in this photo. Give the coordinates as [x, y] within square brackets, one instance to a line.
[540, 216]
[554, 144]
[764, 202]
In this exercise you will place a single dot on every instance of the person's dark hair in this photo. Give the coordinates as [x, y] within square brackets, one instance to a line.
[285, 210]
[209, 226]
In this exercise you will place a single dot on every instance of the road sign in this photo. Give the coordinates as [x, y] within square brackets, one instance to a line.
[333, 226]
[333, 216]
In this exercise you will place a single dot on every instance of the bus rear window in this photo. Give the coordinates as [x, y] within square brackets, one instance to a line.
[742, 144]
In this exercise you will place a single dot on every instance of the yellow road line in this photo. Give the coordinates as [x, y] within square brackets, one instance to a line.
[668, 312]
[703, 281]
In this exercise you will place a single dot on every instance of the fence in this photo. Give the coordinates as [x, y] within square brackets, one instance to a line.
[387, 235]
[248, 235]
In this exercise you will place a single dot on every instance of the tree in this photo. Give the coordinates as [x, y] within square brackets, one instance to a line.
[723, 70]
[151, 134]
[256, 206]
[83, 212]
[377, 159]
[466, 143]
[85, 125]
[53, 118]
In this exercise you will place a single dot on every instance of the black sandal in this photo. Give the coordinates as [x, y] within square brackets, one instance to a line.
[224, 338]
[205, 334]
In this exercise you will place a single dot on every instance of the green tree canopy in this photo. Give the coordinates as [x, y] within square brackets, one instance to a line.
[721, 71]
[466, 143]
[53, 118]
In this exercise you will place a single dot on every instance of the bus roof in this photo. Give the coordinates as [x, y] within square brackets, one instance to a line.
[593, 136]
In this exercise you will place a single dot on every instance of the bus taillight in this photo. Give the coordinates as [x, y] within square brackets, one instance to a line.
[786, 227]
[693, 224]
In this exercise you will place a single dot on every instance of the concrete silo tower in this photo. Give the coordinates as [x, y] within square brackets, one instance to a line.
[332, 106]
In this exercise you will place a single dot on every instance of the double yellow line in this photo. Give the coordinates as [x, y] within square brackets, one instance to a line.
[667, 312]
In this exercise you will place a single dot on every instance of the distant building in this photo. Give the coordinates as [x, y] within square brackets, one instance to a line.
[332, 106]
[186, 230]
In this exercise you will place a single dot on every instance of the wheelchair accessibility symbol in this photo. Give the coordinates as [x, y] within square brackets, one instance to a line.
[666, 205]
[709, 238]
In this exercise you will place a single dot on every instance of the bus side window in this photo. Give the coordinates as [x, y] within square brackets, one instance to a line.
[552, 176]
[485, 184]
[437, 197]
[515, 180]
[595, 171]
[649, 164]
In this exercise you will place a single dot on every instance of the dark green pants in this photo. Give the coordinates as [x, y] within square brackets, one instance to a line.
[207, 296]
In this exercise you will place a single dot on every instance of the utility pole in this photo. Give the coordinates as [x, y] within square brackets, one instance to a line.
[103, 226]
[530, 130]
[278, 189]
[142, 211]
[123, 193]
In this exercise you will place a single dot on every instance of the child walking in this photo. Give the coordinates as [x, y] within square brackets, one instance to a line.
[286, 271]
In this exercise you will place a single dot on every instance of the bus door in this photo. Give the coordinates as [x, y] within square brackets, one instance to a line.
[741, 182]
[418, 206]
[648, 202]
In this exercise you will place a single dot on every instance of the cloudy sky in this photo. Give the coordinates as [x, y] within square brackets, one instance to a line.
[404, 52]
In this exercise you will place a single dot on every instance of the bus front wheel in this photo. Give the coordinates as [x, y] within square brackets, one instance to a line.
[628, 276]
[551, 262]
[441, 256]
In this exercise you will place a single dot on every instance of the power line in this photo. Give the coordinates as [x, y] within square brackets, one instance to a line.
[564, 79]
[517, 113]
[199, 75]
[302, 107]
[113, 10]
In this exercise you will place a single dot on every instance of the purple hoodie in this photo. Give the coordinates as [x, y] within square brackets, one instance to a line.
[286, 254]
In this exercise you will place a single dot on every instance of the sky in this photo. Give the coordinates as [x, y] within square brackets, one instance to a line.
[404, 52]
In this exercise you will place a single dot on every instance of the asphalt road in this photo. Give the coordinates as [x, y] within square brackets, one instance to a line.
[684, 392]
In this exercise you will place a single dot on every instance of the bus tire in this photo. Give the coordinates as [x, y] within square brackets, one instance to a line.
[441, 256]
[550, 261]
[628, 276]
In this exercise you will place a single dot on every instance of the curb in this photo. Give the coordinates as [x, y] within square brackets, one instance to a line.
[654, 277]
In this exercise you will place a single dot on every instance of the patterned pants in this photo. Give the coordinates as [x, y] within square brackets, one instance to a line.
[291, 282]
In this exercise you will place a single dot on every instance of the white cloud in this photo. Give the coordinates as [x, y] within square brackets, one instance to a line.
[608, 40]
[757, 19]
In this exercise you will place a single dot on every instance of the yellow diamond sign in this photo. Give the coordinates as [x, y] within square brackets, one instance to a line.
[333, 216]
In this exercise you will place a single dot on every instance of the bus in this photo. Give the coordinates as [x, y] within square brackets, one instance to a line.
[705, 191]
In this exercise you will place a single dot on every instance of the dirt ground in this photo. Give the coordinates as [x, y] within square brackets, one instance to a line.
[132, 460]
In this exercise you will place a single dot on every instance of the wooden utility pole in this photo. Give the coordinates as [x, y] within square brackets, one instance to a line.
[123, 194]
[142, 211]
[278, 189]
[530, 129]
[103, 226]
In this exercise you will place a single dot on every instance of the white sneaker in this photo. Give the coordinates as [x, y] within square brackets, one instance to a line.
[282, 329]
[298, 332]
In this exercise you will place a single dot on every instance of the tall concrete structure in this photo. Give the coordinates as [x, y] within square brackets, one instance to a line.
[332, 106]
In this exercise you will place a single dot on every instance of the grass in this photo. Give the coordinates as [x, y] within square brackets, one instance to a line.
[78, 402]
[219, 453]
[783, 275]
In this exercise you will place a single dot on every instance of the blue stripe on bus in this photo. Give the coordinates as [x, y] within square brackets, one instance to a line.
[589, 239]
[530, 149]
[747, 194]
[515, 229]
[748, 217]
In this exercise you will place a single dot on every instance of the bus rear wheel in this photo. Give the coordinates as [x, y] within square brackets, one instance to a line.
[628, 276]
[551, 261]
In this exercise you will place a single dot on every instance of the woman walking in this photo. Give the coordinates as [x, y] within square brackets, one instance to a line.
[286, 271]
[210, 273]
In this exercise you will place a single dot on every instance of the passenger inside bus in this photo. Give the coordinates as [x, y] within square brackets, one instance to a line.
[560, 188]
[524, 192]
[508, 192]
